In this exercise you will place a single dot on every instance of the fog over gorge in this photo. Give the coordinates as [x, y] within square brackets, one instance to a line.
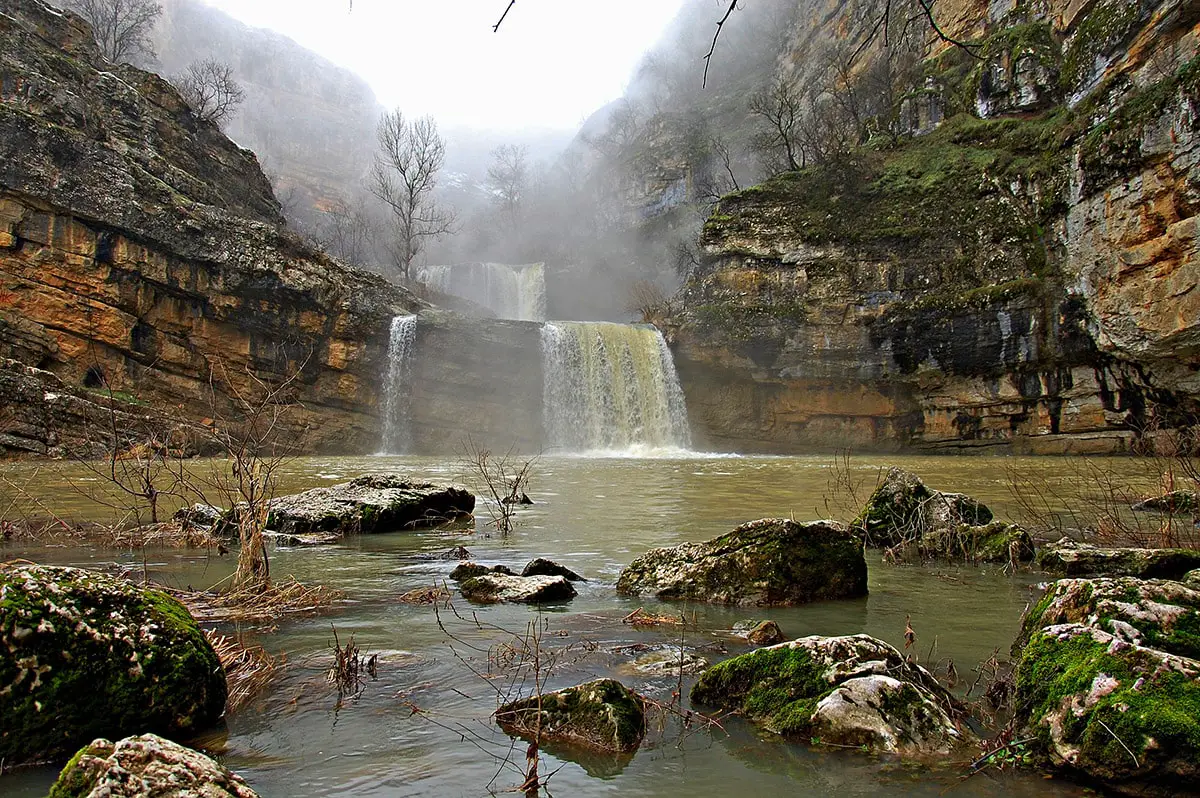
[657, 397]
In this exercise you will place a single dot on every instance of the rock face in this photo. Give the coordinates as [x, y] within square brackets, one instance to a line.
[495, 587]
[370, 504]
[604, 715]
[86, 655]
[1108, 681]
[1083, 559]
[855, 691]
[1026, 282]
[146, 766]
[142, 251]
[773, 561]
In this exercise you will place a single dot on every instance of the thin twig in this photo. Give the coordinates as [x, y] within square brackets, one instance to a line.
[713, 48]
[496, 27]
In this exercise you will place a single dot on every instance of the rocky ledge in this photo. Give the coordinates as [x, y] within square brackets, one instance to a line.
[1071, 558]
[146, 766]
[773, 561]
[85, 655]
[844, 691]
[369, 504]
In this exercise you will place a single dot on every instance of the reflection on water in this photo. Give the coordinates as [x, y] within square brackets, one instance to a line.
[593, 515]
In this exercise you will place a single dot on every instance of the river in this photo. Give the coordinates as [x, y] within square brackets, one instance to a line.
[593, 515]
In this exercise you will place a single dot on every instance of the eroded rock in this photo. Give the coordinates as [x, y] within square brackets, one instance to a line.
[774, 561]
[470, 570]
[369, 504]
[603, 714]
[1071, 558]
[853, 690]
[1108, 682]
[146, 766]
[493, 587]
[85, 655]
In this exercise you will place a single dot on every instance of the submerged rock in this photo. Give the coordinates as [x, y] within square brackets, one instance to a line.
[759, 633]
[1108, 682]
[493, 587]
[146, 766]
[912, 520]
[382, 503]
[540, 566]
[86, 655]
[603, 714]
[1071, 558]
[853, 690]
[1177, 501]
[774, 561]
[668, 661]
[452, 553]
[470, 570]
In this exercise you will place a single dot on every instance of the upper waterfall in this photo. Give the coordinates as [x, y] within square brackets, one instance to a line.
[610, 387]
[511, 292]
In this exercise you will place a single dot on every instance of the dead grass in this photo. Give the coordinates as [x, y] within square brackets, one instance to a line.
[260, 605]
[167, 534]
[249, 669]
[640, 617]
[435, 594]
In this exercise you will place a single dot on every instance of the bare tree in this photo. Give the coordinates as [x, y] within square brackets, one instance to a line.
[780, 105]
[122, 27]
[210, 89]
[508, 177]
[404, 177]
[346, 232]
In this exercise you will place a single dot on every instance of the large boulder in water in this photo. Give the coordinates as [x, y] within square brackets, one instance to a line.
[494, 587]
[603, 715]
[377, 503]
[855, 690]
[912, 520]
[1072, 558]
[86, 655]
[146, 766]
[774, 561]
[1107, 681]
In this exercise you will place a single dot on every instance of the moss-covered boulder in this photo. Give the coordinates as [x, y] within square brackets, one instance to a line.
[146, 766]
[1070, 558]
[603, 715]
[1177, 502]
[774, 561]
[85, 655]
[996, 542]
[376, 503]
[907, 516]
[493, 587]
[853, 690]
[1108, 682]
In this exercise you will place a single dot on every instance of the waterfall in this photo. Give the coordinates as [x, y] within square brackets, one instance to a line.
[396, 390]
[610, 387]
[511, 292]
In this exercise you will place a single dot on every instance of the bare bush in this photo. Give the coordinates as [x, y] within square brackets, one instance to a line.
[505, 478]
[122, 27]
[211, 90]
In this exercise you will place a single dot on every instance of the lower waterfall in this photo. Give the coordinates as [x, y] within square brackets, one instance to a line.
[610, 387]
[396, 388]
[511, 292]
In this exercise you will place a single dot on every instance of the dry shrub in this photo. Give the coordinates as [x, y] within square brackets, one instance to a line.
[640, 617]
[435, 594]
[257, 605]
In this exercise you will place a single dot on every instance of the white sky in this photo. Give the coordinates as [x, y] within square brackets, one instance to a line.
[552, 63]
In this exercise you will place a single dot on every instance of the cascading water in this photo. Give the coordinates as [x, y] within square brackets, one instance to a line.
[610, 387]
[396, 390]
[511, 292]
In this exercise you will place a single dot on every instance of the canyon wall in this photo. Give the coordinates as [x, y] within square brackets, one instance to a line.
[1027, 279]
[144, 258]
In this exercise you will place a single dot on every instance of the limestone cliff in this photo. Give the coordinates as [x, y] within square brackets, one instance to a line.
[1028, 278]
[142, 253]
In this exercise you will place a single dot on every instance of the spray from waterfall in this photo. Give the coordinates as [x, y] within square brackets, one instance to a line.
[511, 292]
[397, 387]
[610, 387]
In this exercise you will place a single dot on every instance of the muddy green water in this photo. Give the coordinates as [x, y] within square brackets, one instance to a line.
[593, 515]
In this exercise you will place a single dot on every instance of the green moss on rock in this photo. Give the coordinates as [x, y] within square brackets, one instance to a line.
[602, 715]
[84, 655]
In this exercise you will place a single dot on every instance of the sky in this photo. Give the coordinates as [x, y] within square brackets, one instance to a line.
[550, 65]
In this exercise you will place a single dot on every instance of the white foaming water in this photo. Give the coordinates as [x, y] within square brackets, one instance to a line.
[511, 292]
[611, 390]
[396, 390]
